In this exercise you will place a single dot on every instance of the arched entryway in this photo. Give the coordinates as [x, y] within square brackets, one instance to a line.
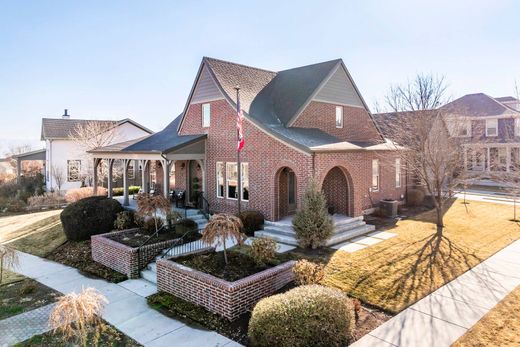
[286, 193]
[337, 190]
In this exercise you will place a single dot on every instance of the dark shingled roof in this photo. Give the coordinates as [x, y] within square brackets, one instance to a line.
[160, 142]
[61, 128]
[506, 99]
[477, 105]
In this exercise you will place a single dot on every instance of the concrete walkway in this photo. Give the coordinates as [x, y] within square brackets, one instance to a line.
[25, 325]
[127, 309]
[443, 316]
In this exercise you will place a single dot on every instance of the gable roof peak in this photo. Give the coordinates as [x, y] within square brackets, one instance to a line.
[210, 60]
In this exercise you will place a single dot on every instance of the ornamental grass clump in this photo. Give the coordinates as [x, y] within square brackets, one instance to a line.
[75, 315]
[222, 227]
[263, 250]
[307, 272]
[313, 224]
[304, 316]
[8, 259]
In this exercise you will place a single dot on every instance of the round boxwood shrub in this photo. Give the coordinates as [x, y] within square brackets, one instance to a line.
[89, 216]
[305, 316]
[252, 221]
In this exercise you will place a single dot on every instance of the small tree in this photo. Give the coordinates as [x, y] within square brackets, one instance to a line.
[149, 205]
[8, 258]
[313, 224]
[58, 176]
[75, 314]
[222, 227]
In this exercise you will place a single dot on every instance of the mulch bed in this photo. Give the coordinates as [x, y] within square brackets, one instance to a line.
[138, 237]
[367, 319]
[240, 264]
[25, 295]
[109, 336]
[79, 255]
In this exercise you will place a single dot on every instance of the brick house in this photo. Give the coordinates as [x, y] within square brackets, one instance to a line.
[490, 132]
[300, 123]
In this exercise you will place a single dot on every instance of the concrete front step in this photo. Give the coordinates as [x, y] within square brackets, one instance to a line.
[349, 234]
[288, 240]
[149, 275]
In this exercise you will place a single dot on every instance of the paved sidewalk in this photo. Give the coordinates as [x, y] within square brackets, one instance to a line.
[127, 309]
[23, 326]
[443, 316]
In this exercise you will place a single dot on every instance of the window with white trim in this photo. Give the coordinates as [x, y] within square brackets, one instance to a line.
[206, 115]
[465, 128]
[131, 170]
[220, 180]
[517, 126]
[398, 173]
[231, 180]
[244, 172]
[339, 116]
[73, 170]
[491, 127]
[375, 175]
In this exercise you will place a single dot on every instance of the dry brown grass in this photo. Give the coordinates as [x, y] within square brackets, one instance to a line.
[222, 227]
[499, 327]
[398, 272]
[74, 195]
[76, 314]
[8, 259]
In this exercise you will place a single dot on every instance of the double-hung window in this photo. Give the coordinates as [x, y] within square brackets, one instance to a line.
[517, 126]
[375, 175]
[73, 170]
[131, 170]
[398, 173]
[491, 127]
[220, 180]
[339, 116]
[206, 115]
[231, 181]
[244, 172]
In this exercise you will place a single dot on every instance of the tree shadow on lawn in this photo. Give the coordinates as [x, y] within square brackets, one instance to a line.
[399, 272]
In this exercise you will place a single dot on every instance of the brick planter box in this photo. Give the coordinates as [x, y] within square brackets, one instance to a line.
[228, 299]
[123, 258]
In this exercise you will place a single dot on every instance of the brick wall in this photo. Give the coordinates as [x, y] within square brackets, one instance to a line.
[357, 124]
[122, 258]
[228, 299]
[267, 157]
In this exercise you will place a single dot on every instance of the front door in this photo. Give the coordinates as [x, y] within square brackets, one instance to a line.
[291, 190]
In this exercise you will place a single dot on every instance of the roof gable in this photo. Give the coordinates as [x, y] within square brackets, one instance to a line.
[339, 89]
[206, 89]
[477, 105]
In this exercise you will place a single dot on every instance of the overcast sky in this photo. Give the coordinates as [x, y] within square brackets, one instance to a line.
[137, 59]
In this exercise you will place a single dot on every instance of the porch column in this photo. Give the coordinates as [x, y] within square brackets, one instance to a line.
[126, 201]
[166, 177]
[110, 179]
[95, 175]
[144, 176]
[488, 159]
[508, 158]
[18, 170]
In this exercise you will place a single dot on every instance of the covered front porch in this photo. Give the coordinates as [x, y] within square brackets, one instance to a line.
[174, 167]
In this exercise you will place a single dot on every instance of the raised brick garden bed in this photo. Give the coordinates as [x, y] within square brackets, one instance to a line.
[228, 299]
[122, 258]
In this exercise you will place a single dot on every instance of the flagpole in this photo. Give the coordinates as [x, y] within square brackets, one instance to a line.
[239, 184]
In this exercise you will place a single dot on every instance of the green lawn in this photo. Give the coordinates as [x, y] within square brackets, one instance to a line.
[398, 272]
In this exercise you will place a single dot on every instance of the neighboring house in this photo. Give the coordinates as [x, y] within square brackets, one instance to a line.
[300, 123]
[63, 154]
[490, 132]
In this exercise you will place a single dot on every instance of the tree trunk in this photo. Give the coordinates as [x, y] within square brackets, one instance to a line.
[225, 254]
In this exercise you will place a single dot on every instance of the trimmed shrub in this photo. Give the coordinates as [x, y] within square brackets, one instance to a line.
[77, 194]
[149, 224]
[124, 220]
[252, 220]
[89, 216]
[415, 197]
[263, 250]
[131, 190]
[12, 205]
[313, 224]
[307, 272]
[304, 316]
[185, 225]
[172, 217]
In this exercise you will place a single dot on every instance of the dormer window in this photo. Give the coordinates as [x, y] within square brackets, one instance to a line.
[339, 116]
[491, 127]
[206, 115]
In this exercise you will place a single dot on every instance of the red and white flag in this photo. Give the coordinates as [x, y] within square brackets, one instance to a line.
[240, 130]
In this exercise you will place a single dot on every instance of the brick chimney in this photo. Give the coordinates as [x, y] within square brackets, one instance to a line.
[65, 115]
